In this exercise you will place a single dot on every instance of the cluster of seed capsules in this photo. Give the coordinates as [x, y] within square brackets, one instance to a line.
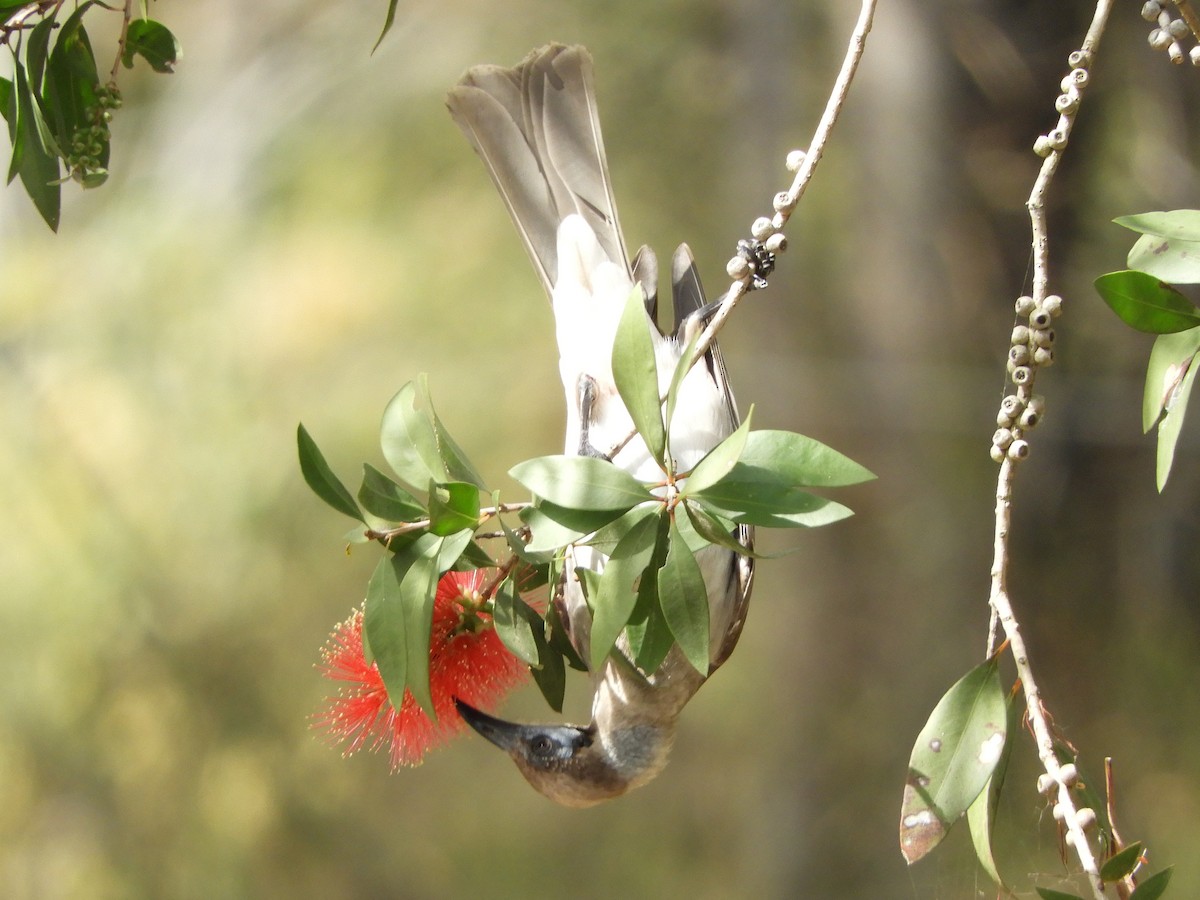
[88, 143]
[755, 259]
[1031, 348]
[1169, 32]
[1066, 104]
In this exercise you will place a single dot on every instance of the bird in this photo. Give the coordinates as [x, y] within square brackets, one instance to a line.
[537, 130]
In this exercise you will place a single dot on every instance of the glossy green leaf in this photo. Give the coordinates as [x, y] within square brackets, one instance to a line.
[152, 41]
[416, 444]
[1144, 302]
[382, 497]
[1170, 377]
[580, 482]
[453, 506]
[608, 536]
[1122, 863]
[681, 371]
[636, 373]
[35, 154]
[319, 476]
[71, 82]
[387, 24]
[614, 600]
[1152, 888]
[755, 496]
[953, 758]
[553, 527]
[515, 623]
[801, 461]
[1048, 894]
[1183, 224]
[7, 97]
[551, 677]
[37, 52]
[720, 460]
[559, 640]
[684, 601]
[384, 620]
[714, 529]
[981, 815]
[650, 637]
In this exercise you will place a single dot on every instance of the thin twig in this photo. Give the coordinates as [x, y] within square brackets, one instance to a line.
[999, 598]
[486, 513]
[785, 203]
[126, 16]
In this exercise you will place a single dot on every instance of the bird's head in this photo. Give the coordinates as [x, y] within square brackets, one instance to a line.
[578, 766]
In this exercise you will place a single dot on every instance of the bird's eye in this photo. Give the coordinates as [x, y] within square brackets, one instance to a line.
[541, 745]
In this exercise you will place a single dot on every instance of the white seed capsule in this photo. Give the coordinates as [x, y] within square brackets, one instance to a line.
[1046, 783]
[1159, 39]
[1002, 438]
[1037, 403]
[1150, 10]
[737, 268]
[1004, 421]
[1018, 355]
[776, 243]
[1079, 78]
[1041, 146]
[762, 228]
[1086, 818]
[1030, 419]
[1178, 29]
[1021, 375]
[1067, 103]
[1175, 52]
[795, 159]
[783, 202]
[1043, 337]
[1039, 318]
[1194, 55]
[1079, 59]
[997, 454]
[1018, 450]
[1053, 305]
[1011, 405]
[1020, 335]
[1025, 306]
[1043, 356]
[1057, 139]
[1068, 775]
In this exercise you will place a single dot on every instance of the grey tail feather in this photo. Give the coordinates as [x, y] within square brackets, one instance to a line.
[536, 128]
[687, 296]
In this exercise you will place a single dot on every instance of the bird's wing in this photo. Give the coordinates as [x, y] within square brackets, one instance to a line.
[537, 130]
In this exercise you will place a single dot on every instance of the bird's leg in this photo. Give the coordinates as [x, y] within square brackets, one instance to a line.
[586, 396]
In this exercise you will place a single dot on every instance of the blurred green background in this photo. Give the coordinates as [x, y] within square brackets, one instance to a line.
[294, 228]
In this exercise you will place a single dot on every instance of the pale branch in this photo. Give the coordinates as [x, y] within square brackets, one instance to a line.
[122, 40]
[769, 230]
[1030, 350]
[488, 512]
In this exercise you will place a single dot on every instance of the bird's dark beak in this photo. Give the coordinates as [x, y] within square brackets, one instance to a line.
[504, 735]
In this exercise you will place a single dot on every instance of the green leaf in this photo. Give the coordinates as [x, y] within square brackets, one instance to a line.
[609, 535]
[613, 602]
[755, 496]
[713, 529]
[153, 42]
[1146, 303]
[382, 497]
[319, 477]
[650, 637]
[1152, 888]
[801, 461]
[384, 619]
[553, 527]
[1183, 224]
[1048, 894]
[684, 601]
[636, 374]
[953, 758]
[516, 623]
[551, 678]
[1121, 864]
[1173, 260]
[37, 51]
[416, 444]
[35, 154]
[453, 507]
[69, 90]
[720, 460]
[681, 371]
[7, 97]
[1170, 376]
[387, 24]
[981, 815]
[580, 482]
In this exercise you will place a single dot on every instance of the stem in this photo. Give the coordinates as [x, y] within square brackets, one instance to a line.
[999, 598]
[126, 16]
[486, 513]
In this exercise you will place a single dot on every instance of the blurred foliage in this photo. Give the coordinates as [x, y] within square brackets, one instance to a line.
[290, 232]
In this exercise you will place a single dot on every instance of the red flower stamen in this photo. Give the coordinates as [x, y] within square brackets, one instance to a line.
[466, 660]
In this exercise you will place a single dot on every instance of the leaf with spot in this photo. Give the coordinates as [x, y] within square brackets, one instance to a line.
[981, 815]
[152, 41]
[954, 756]
[453, 507]
[1170, 376]
[1147, 303]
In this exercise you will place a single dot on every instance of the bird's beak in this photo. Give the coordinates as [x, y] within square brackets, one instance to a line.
[504, 735]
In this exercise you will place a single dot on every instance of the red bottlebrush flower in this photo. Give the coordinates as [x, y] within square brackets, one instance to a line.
[466, 659]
